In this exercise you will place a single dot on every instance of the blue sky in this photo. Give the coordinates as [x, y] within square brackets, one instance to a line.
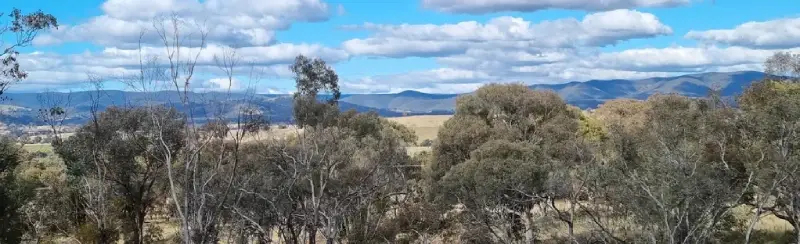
[440, 46]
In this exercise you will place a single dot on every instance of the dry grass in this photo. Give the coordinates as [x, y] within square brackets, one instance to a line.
[274, 132]
[766, 222]
[414, 150]
[425, 126]
[42, 147]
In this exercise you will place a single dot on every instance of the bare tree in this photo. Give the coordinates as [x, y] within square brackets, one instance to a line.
[53, 112]
[199, 175]
[24, 28]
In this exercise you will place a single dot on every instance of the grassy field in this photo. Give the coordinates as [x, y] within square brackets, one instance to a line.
[44, 147]
[425, 126]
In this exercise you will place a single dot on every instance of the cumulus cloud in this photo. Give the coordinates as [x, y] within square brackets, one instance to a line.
[478, 67]
[773, 34]
[236, 22]
[221, 84]
[441, 80]
[469, 54]
[261, 62]
[489, 6]
[509, 49]
[685, 59]
[597, 29]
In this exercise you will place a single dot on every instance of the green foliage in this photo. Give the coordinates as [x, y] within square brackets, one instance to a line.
[667, 169]
[12, 193]
[496, 156]
[772, 121]
[313, 76]
[122, 150]
[591, 128]
[22, 29]
[426, 143]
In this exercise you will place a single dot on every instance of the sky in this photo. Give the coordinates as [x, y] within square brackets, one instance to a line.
[387, 46]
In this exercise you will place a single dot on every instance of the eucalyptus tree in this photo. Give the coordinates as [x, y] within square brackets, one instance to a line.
[497, 158]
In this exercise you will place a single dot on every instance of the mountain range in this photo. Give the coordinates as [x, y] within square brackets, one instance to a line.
[22, 108]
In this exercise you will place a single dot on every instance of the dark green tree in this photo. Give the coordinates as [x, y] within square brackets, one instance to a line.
[495, 155]
[313, 77]
[12, 194]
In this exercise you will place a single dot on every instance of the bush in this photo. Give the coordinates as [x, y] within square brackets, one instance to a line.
[426, 143]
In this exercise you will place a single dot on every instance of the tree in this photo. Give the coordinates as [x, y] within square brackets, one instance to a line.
[677, 174]
[200, 174]
[338, 181]
[119, 145]
[771, 111]
[783, 66]
[312, 77]
[22, 28]
[12, 194]
[496, 154]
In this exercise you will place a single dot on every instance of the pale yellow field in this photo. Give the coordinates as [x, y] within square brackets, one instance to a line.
[425, 126]
[43, 147]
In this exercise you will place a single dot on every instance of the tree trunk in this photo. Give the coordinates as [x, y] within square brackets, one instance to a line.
[796, 233]
[530, 232]
[138, 232]
[756, 217]
[292, 232]
[312, 235]
[106, 236]
[571, 229]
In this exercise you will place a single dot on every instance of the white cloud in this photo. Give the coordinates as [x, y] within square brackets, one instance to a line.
[563, 72]
[469, 54]
[262, 63]
[442, 80]
[222, 84]
[145, 9]
[371, 85]
[477, 67]
[686, 59]
[273, 90]
[396, 48]
[613, 26]
[597, 29]
[488, 6]
[115, 57]
[235, 22]
[780, 33]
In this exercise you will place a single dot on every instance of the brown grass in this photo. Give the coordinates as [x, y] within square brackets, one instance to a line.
[425, 126]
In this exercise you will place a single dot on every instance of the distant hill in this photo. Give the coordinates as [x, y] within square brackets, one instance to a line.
[590, 94]
[21, 108]
[410, 101]
[586, 94]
